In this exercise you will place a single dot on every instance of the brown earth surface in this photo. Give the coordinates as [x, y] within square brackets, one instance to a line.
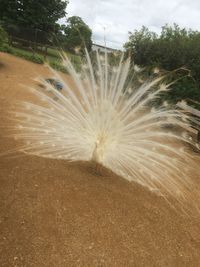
[54, 213]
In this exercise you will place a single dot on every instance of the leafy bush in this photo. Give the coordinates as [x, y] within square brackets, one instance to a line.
[3, 37]
[58, 66]
[173, 49]
[5, 48]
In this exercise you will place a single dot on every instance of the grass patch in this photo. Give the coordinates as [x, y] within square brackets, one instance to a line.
[34, 57]
[53, 57]
[53, 52]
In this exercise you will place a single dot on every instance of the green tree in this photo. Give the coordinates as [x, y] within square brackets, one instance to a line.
[40, 15]
[174, 48]
[77, 34]
[140, 45]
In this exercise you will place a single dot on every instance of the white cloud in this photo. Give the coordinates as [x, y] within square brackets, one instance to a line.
[119, 16]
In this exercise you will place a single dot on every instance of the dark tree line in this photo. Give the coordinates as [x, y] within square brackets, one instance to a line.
[41, 15]
[38, 20]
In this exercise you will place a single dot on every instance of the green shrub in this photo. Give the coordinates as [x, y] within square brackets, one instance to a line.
[5, 48]
[173, 49]
[3, 37]
[58, 66]
[36, 58]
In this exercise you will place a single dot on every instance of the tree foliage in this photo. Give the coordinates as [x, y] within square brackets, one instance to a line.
[77, 34]
[174, 48]
[140, 45]
[41, 14]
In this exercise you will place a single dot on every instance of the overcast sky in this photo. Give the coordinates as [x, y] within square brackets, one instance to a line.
[118, 17]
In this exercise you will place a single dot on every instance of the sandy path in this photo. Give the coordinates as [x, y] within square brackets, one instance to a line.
[53, 213]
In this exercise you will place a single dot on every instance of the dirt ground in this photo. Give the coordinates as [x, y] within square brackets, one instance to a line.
[54, 213]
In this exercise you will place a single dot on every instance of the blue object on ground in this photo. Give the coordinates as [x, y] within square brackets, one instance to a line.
[56, 83]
